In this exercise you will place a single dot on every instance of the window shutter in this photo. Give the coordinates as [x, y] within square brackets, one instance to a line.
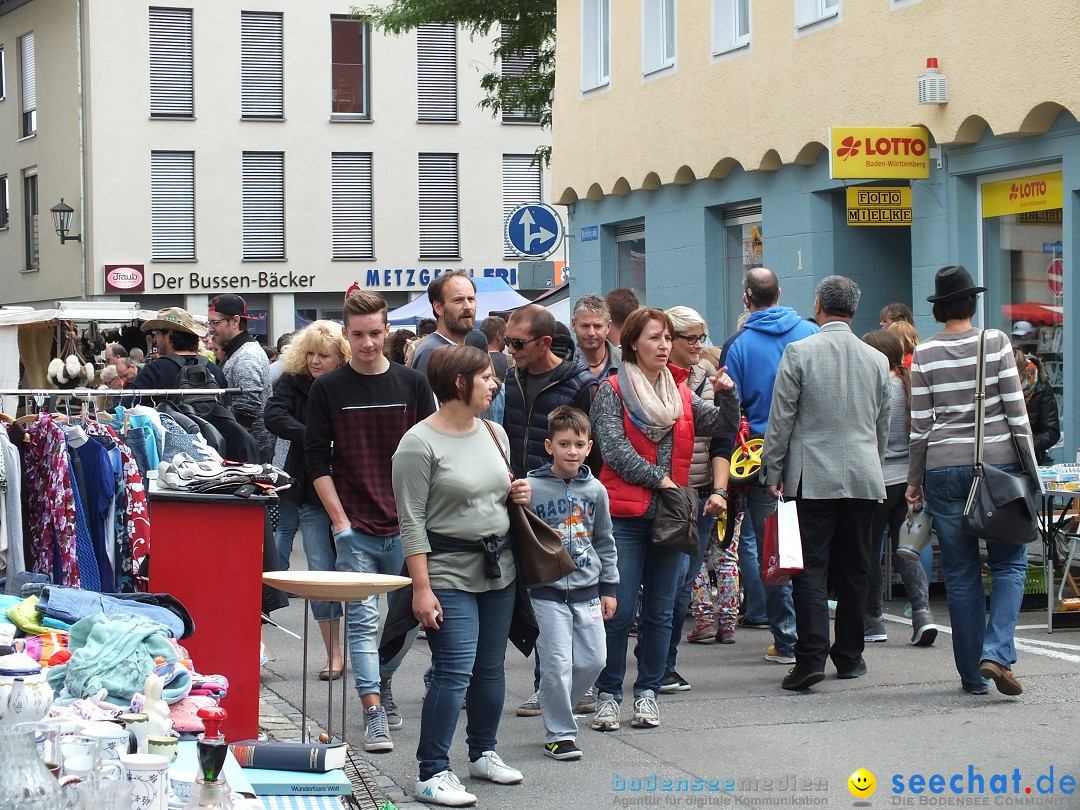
[29, 73]
[436, 72]
[172, 205]
[262, 64]
[264, 205]
[439, 237]
[515, 66]
[350, 204]
[172, 64]
[520, 185]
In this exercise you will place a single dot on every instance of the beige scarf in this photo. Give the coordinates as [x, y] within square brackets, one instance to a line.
[653, 410]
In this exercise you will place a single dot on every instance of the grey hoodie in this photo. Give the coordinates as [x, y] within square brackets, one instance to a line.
[579, 511]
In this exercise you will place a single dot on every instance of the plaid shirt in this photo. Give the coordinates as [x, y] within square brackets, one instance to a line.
[354, 424]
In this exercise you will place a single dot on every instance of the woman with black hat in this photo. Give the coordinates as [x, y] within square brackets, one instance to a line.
[943, 382]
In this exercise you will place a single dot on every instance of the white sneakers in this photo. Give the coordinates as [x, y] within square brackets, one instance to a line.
[445, 789]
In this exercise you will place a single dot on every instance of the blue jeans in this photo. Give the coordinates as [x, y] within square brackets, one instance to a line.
[318, 543]
[778, 604]
[658, 569]
[974, 638]
[467, 656]
[688, 573]
[361, 553]
[750, 573]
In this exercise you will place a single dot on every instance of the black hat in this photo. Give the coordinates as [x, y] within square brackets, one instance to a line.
[953, 283]
[229, 305]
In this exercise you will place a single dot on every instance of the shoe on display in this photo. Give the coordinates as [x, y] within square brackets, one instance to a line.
[386, 697]
[587, 704]
[923, 630]
[646, 712]
[376, 730]
[531, 707]
[562, 750]
[444, 789]
[772, 655]
[874, 629]
[673, 682]
[607, 713]
[491, 767]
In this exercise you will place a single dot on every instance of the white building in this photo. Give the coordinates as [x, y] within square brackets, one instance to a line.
[275, 149]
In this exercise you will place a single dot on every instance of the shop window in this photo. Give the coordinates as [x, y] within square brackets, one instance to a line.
[262, 64]
[630, 257]
[172, 63]
[1023, 266]
[657, 35]
[743, 247]
[809, 12]
[595, 43]
[349, 69]
[731, 25]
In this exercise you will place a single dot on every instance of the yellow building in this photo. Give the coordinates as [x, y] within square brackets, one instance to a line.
[694, 139]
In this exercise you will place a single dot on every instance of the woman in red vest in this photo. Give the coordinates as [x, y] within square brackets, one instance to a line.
[645, 419]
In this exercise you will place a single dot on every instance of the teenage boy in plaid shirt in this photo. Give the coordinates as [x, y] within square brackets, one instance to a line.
[356, 416]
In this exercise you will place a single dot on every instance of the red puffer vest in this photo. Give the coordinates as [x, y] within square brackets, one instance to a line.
[632, 500]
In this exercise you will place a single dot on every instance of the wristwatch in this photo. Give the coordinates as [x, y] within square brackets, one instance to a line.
[721, 492]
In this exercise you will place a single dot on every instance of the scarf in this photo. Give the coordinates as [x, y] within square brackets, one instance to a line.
[1029, 377]
[653, 410]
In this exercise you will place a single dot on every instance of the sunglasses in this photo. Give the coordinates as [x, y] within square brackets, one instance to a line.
[517, 344]
[693, 340]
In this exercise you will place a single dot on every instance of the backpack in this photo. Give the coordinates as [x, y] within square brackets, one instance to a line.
[196, 377]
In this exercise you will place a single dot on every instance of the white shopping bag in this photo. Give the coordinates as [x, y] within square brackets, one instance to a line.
[782, 547]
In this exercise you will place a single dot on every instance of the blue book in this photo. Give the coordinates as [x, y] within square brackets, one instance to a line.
[298, 783]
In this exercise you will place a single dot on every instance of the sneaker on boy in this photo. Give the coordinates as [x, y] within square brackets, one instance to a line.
[572, 644]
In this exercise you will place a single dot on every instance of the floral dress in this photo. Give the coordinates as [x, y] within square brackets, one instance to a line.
[51, 503]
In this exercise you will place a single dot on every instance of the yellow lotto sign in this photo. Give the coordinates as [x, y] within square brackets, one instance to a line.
[877, 205]
[879, 152]
[1038, 192]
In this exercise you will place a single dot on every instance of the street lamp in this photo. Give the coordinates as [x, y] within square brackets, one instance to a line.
[61, 220]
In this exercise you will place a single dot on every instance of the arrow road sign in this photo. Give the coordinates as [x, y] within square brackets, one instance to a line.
[534, 231]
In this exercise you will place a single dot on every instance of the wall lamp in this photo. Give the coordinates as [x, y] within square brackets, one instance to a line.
[61, 220]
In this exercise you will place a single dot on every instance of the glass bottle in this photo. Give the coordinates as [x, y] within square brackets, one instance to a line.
[25, 782]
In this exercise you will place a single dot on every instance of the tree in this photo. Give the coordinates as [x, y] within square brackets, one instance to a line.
[526, 47]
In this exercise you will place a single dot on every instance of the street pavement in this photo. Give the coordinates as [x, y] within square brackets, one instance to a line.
[748, 743]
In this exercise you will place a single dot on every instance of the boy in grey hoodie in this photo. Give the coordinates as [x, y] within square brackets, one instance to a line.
[572, 645]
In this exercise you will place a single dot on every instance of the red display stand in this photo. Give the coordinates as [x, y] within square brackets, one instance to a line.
[207, 551]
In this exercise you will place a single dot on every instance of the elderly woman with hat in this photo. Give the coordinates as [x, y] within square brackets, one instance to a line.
[942, 448]
[176, 335]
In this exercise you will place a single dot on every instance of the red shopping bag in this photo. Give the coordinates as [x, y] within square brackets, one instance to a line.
[782, 548]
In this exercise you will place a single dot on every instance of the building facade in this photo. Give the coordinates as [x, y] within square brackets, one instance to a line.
[696, 138]
[274, 149]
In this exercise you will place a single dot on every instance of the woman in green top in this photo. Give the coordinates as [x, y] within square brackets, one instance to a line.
[451, 486]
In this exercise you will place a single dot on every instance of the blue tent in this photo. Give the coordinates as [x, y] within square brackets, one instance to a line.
[492, 295]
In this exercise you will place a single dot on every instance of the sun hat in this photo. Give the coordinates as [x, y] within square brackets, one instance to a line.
[176, 319]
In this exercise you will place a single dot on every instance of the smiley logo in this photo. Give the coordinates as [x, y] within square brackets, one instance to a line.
[862, 784]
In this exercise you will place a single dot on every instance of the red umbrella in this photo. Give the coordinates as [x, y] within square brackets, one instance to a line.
[1034, 312]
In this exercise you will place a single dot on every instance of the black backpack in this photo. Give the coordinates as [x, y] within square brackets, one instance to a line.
[195, 377]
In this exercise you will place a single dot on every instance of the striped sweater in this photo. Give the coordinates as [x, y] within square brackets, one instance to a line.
[943, 402]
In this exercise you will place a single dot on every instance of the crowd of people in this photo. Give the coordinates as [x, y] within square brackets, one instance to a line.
[409, 450]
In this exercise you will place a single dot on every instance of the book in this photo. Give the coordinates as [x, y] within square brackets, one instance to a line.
[276, 755]
[296, 783]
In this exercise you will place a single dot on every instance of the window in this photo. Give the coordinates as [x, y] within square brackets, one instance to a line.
[515, 67]
[657, 35]
[350, 205]
[264, 205]
[436, 72]
[28, 86]
[3, 74]
[262, 65]
[595, 43]
[630, 257]
[172, 206]
[172, 63]
[349, 69]
[30, 220]
[5, 206]
[808, 12]
[439, 230]
[520, 185]
[731, 25]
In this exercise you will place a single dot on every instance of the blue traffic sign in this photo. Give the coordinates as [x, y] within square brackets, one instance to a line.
[534, 231]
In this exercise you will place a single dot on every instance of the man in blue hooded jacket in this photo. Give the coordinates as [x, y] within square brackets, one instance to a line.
[752, 356]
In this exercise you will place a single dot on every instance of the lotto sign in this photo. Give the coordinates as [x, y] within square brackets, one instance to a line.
[1055, 277]
[879, 152]
[1022, 195]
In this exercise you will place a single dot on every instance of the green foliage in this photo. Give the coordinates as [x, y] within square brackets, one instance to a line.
[527, 42]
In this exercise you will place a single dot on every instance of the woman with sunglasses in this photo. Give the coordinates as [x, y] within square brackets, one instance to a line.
[645, 420]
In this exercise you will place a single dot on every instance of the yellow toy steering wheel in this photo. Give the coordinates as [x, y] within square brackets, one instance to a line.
[745, 464]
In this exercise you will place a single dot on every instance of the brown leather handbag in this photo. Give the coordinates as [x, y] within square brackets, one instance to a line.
[539, 552]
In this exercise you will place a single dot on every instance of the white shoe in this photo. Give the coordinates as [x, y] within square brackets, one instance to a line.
[491, 767]
[445, 789]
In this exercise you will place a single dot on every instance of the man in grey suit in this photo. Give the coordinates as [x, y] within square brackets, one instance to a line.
[828, 428]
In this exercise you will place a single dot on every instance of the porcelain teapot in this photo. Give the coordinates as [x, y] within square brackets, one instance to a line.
[25, 695]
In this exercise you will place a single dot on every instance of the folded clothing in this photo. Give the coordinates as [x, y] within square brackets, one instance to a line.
[73, 605]
[28, 616]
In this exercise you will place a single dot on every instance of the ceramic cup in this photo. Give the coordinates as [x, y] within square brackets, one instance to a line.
[165, 746]
[115, 739]
[148, 774]
[181, 780]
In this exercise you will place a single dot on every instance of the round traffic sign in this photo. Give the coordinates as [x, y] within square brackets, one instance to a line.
[534, 230]
[1055, 277]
